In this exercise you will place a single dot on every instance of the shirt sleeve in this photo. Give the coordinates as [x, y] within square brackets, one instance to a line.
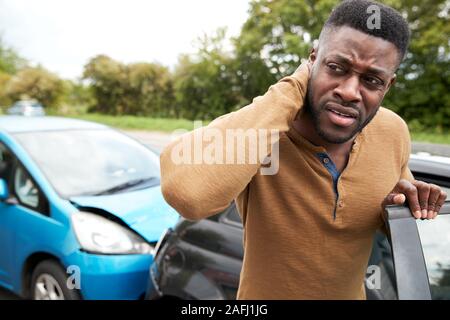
[195, 178]
[405, 171]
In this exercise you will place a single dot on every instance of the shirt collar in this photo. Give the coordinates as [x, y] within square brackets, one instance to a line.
[297, 137]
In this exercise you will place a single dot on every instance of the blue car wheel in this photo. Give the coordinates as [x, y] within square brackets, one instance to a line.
[49, 282]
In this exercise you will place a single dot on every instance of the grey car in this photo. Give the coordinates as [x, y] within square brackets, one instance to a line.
[26, 108]
[202, 259]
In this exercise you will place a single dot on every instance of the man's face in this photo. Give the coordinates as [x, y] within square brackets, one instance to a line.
[351, 74]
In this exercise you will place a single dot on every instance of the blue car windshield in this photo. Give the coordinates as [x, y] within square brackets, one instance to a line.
[88, 162]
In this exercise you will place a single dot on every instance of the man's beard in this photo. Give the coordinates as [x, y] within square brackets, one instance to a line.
[316, 112]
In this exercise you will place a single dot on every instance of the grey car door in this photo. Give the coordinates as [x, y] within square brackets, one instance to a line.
[411, 268]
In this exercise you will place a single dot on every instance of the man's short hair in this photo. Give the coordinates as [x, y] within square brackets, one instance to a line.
[353, 13]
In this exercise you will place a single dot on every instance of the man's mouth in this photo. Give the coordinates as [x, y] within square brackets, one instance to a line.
[341, 116]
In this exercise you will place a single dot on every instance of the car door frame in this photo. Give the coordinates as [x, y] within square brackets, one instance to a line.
[411, 275]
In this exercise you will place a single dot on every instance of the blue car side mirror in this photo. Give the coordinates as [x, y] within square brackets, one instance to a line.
[4, 194]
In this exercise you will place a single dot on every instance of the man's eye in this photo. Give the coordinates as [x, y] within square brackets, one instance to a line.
[335, 68]
[374, 81]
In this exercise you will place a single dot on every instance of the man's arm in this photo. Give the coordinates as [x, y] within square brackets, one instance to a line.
[198, 190]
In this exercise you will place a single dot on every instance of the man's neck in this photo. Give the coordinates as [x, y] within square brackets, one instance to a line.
[339, 153]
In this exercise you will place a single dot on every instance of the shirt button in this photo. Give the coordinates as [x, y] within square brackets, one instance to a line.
[326, 160]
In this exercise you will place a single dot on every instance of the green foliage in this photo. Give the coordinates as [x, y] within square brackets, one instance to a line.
[422, 88]
[138, 89]
[138, 123]
[4, 78]
[284, 31]
[10, 63]
[205, 84]
[106, 78]
[279, 33]
[77, 97]
[274, 39]
[35, 83]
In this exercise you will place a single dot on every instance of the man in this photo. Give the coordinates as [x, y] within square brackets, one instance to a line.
[308, 228]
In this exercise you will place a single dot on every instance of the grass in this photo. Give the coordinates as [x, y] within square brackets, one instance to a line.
[432, 137]
[139, 123]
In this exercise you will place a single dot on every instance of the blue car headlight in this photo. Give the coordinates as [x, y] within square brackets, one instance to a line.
[97, 234]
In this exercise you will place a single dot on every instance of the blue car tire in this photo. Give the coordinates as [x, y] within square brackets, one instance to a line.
[49, 282]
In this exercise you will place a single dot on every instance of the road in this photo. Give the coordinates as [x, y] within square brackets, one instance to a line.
[431, 148]
[158, 140]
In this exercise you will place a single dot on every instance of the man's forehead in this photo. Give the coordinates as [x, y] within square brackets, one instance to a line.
[353, 46]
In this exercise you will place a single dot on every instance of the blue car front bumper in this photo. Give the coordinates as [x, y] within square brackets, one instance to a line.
[111, 277]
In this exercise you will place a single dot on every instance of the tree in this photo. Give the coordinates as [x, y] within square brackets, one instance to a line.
[36, 83]
[10, 63]
[77, 98]
[421, 91]
[4, 78]
[150, 90]
[274, 38]
[136, 89]
[205, 82]
[107, 78]
[279, 33]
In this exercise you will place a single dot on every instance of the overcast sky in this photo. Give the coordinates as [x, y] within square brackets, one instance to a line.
[63, 34]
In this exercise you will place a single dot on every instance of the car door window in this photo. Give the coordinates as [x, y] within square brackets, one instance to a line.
[420, 252]
[231, 216]
[435, 239]
[25, 189]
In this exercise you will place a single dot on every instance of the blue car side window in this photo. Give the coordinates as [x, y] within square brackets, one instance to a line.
[22, 186]
[26, 191]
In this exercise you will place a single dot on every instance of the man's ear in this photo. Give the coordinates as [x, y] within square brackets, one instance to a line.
[313, 55]
[391, 83]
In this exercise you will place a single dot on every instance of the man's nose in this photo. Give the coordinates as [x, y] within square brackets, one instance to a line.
[348, 90]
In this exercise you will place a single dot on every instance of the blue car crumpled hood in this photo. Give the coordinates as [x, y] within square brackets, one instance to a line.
[145, 210]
